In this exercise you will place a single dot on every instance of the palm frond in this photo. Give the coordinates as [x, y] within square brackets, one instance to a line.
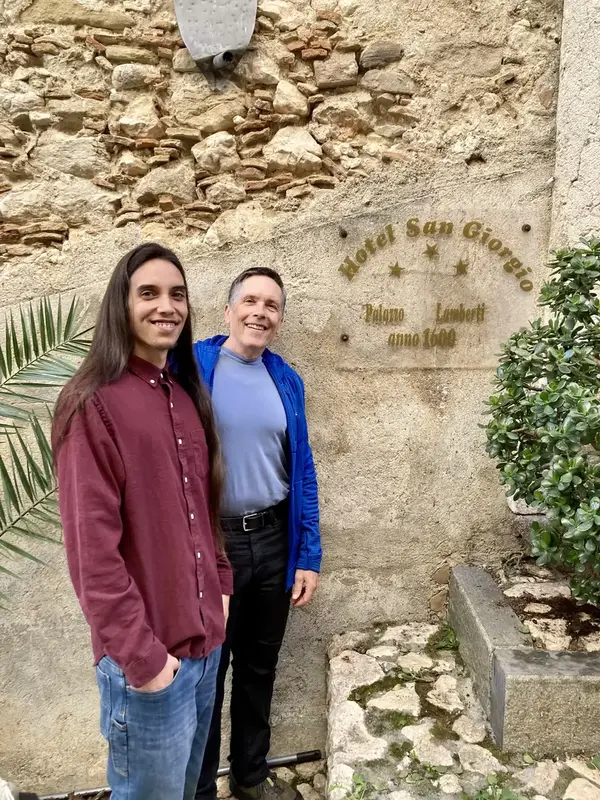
[8, 411]
[28, 505]
[41, 349]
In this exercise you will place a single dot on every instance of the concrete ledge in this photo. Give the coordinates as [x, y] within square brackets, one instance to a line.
[483, 622]
[546, 703]
[538, 702]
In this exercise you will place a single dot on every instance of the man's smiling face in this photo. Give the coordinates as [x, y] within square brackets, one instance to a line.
[254, 316]
[158, 309]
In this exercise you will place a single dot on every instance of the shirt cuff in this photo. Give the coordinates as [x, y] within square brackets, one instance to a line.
[145, 669]
[226, 579]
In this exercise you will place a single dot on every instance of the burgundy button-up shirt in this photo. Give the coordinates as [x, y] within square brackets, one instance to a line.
[133, 478]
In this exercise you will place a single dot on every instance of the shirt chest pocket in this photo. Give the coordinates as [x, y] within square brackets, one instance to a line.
[199, 452]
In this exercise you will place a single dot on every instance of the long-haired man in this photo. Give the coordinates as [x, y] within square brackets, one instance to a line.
[139, 473]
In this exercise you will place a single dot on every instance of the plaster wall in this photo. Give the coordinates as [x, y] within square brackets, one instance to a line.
[406, 486]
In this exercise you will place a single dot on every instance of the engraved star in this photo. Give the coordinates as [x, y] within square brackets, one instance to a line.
[432, 251]
[396, 270]
[461, 267]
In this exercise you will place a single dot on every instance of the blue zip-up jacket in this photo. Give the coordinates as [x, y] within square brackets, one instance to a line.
[303, 526]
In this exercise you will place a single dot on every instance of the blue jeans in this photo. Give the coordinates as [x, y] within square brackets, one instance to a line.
[156, 740]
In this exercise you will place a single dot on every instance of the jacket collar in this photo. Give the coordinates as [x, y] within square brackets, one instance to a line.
[273, 362]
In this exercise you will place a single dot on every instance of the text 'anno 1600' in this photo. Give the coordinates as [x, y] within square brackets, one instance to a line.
[432, 336]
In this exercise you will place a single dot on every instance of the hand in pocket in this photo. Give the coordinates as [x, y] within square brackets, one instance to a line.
[164, 677]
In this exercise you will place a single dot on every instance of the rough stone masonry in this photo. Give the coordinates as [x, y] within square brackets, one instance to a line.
[340, 109]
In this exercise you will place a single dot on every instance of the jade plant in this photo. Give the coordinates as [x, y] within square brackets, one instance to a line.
[544, 430]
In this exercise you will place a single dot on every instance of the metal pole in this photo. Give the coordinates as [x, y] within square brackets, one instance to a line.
[80, 793]
[284, 761]
[279, 761]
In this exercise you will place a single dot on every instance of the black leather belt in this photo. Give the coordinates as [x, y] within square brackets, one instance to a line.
[257, 520]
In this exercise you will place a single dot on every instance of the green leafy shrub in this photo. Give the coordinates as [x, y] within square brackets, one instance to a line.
[544, 429]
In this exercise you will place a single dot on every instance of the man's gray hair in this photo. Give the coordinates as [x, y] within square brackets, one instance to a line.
[235, 287]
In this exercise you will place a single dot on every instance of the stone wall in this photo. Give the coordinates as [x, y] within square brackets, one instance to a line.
[342, 119]
[106, 120]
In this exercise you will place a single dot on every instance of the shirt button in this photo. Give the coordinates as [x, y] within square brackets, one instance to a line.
[200, 595]
[153, 381]
[180, 441]
[191, 516]
[171, 405]
[185, 479]
[198, 555]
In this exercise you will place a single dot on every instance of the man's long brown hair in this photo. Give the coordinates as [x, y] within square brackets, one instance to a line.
[109, 354]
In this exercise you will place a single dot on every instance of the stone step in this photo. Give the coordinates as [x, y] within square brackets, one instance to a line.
[546, 703]
[483, 622]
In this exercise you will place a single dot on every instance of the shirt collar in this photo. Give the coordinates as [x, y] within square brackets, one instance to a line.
[148, 372]
[226, 351]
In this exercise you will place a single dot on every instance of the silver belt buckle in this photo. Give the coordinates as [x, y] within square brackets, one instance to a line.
[248, 516]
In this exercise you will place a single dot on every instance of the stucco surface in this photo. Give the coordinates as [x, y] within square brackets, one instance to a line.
[575, 205]
[405, 482]
[344, 120]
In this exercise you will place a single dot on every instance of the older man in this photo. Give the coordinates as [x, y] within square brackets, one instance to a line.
[270, 520]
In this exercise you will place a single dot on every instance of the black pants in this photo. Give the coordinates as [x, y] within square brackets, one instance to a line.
[257, 618]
